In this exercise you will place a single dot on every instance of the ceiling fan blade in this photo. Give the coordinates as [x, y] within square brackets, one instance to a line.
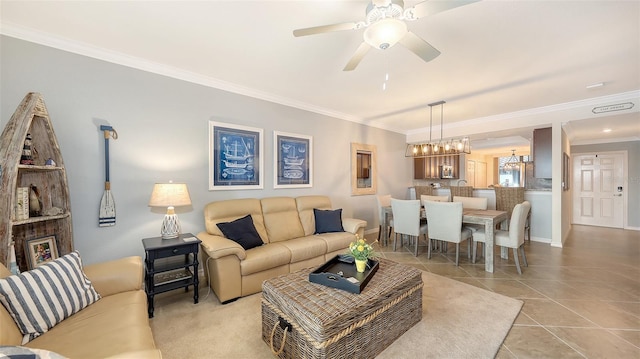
[419, 47]
[428, 8]
[325, 28]
[357, 57]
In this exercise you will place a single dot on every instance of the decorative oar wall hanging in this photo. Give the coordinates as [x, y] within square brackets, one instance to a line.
[107, 204]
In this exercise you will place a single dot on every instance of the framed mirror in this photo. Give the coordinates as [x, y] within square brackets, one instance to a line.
[364, 171]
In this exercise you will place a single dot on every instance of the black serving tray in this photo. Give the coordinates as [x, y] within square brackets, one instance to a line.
[329, 274]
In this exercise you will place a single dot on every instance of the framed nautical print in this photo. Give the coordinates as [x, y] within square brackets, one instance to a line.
[292, 163]
[235, 157]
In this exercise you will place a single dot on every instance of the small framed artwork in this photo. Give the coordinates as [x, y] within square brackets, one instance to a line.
[235, 157]
[292, 163]
[40, 251]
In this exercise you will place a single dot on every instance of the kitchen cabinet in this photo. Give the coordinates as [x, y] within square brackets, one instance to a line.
[542, 153]
[429, 167]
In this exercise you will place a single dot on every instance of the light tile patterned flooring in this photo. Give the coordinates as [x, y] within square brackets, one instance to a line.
[580, 301]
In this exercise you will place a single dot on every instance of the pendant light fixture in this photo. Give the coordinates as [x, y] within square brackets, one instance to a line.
[442, 147]
[512, 163]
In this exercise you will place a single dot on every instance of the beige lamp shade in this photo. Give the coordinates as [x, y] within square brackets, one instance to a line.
[170, 195]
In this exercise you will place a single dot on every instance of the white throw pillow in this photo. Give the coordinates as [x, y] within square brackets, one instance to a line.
[43, 297]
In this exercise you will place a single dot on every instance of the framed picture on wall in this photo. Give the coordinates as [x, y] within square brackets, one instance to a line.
[235, 157]
[40, 251]
[292, 163]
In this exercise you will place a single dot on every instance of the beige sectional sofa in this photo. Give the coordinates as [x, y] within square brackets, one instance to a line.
[115, 326]
[286, 226]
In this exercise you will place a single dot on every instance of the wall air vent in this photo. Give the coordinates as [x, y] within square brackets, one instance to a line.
[612, 108]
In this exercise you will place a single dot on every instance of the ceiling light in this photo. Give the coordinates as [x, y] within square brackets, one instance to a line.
[454, 147]
[385, 33]
[512, 163]
[592, 86]
[606, 130]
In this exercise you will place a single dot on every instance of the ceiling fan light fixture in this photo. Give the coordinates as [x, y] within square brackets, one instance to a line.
[385, 33]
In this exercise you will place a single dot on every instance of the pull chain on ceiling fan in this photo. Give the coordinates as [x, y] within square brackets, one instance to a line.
[385, 25]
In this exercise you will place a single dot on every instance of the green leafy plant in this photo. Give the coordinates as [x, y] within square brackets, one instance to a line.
[360, 249]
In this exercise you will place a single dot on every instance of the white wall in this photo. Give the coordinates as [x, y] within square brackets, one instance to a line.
[162, 125]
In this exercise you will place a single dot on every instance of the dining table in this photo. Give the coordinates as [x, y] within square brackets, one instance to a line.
[487, 217]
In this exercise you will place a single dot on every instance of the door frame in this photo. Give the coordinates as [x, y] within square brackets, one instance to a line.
[625, 181]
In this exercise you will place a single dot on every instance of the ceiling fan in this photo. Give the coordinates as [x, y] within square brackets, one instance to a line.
[385, 25]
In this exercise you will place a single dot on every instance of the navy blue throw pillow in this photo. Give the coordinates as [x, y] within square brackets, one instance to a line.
[328, 220]
[242, 231]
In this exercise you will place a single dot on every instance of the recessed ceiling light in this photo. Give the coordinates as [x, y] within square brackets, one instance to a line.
[606, 130]
[592, 86]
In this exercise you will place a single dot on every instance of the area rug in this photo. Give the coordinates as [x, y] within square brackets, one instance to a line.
[458, 321]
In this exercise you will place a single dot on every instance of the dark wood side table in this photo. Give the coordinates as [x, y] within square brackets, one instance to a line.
[170, 274]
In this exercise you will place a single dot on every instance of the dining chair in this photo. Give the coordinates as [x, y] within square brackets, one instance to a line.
[406, 218]
[512, 238]
[444, 223]
[472, 202]
[434, 198]
[383, 201]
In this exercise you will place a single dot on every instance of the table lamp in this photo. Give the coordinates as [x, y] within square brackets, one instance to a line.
[170, 195]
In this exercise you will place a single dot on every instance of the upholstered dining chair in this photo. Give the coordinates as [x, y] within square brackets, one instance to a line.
[383, 201]
[472, 202]
[444, 223]
[513, 238]
[406, 219]
[434, 198]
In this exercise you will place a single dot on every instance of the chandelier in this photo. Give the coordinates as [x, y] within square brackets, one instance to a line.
[449, 147]
[512, 163]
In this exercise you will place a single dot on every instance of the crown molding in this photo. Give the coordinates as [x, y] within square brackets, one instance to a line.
[84, 49]
[502, 121]
[544, 110]
[604, 140]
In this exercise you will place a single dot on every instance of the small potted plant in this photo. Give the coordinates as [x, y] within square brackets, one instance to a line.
[361, 251]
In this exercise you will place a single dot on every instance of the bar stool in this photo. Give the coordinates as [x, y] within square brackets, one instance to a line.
[461, 191]
[506, 200]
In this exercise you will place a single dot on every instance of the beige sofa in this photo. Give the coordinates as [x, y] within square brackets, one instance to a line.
[286, 226]
[116, 326]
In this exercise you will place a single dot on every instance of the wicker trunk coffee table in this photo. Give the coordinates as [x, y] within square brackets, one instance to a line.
[301, 319]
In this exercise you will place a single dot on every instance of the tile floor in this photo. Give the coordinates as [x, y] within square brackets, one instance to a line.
[580, 301]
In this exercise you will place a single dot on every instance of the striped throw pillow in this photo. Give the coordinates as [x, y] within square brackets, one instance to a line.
[43, 297]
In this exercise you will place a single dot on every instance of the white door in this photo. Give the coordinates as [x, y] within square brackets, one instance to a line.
[481, 175]
[598, 181]
[471, 173]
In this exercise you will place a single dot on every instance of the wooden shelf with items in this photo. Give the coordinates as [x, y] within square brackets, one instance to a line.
[44, 176]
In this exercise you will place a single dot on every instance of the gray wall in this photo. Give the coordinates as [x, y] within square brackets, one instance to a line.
[633, 181]
[162, 125]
